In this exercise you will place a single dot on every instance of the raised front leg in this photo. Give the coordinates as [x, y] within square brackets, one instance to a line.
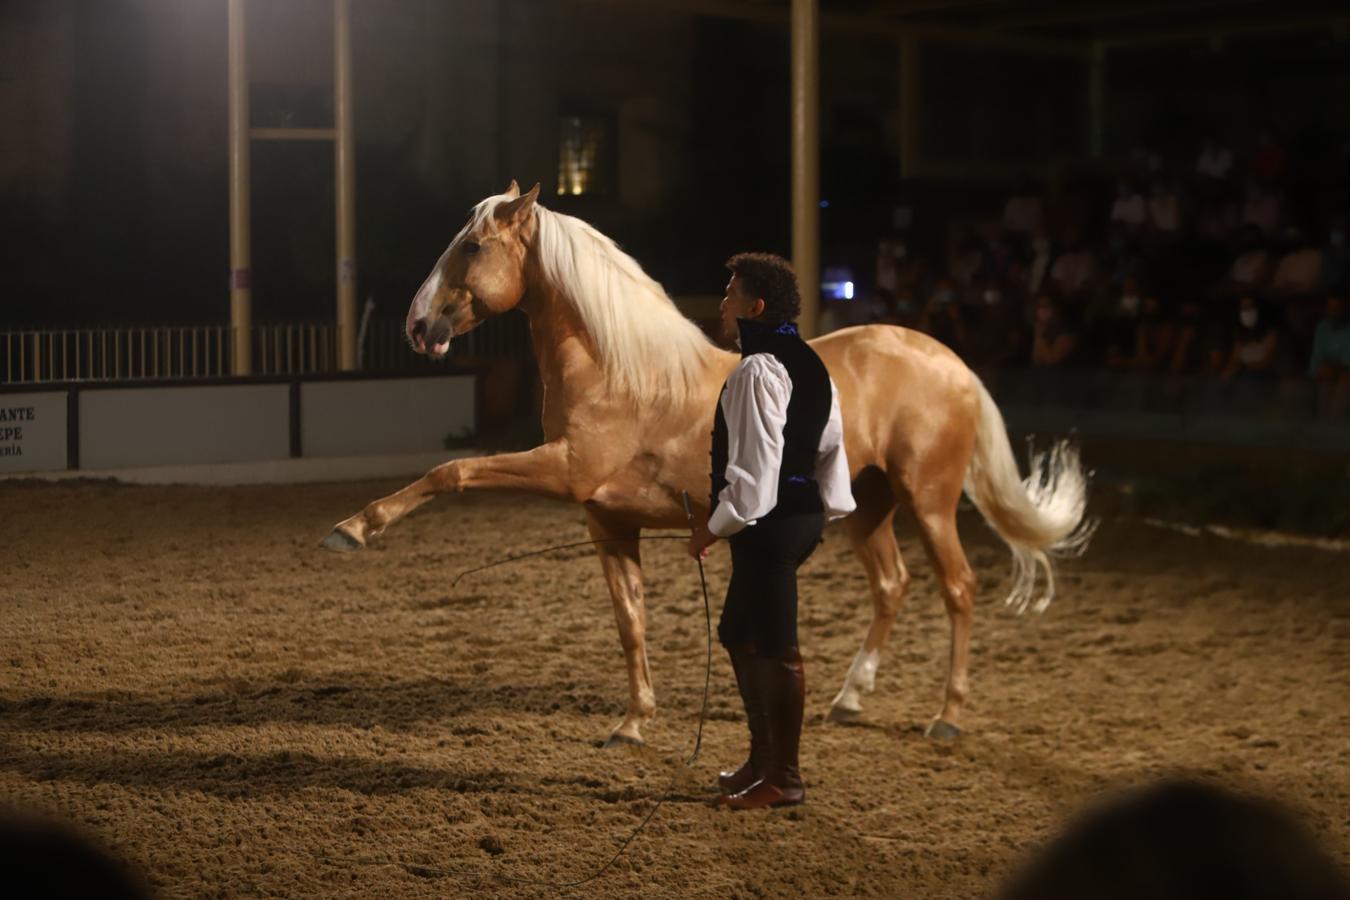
[619, 557]
[542, 471]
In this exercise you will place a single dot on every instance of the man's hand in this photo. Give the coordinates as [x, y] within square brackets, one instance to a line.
[700, 542]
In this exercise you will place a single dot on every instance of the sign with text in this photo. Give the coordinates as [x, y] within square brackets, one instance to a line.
[32, 432]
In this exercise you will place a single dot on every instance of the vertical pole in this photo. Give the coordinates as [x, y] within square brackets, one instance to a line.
[909, 106]
[344, 148]
[1097, 100]
[806, 159]
[241, 275]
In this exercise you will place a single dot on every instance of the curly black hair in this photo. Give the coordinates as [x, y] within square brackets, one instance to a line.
[769, 276]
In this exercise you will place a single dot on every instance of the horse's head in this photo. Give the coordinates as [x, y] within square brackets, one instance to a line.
[480, 275]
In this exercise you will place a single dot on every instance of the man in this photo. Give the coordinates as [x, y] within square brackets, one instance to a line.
[778, 470]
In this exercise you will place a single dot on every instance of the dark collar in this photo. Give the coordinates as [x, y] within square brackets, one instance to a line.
[757, 336]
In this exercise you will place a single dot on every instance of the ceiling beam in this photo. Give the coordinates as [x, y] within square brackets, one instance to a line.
[1339, 25]
[852, 23]
[1089, 14]
[898, 8]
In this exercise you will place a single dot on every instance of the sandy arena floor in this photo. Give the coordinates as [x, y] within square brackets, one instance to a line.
[184, 673]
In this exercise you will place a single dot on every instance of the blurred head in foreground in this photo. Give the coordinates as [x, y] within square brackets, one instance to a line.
[42, 859]
[1182, 840]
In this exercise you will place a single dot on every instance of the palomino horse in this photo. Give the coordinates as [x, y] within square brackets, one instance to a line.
[629, 392]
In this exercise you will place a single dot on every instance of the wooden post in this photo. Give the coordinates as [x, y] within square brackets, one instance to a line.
[345, 154]
[241, 275]
[806, 159]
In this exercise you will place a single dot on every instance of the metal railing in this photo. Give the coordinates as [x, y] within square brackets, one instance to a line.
[114, 354]
[163, 353]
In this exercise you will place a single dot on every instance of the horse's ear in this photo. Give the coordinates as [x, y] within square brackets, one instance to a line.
[514, 212]
[513, 191]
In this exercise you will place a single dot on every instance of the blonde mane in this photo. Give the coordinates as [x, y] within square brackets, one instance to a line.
[647, 348]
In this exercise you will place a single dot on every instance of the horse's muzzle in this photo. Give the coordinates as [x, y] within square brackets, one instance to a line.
[431, 340]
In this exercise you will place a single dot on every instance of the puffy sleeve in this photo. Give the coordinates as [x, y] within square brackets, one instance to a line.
[836, 489]
[755, 406]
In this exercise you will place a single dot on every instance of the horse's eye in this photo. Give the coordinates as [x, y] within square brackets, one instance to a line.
[471, 247]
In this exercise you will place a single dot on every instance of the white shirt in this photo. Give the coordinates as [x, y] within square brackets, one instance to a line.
[755, 404]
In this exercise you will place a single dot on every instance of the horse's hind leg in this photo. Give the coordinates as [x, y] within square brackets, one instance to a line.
[870, 528]
[620, 559]
[937, 525]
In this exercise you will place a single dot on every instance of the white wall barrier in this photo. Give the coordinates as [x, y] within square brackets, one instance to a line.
[129, 428]
[97, 428]
[394, 415]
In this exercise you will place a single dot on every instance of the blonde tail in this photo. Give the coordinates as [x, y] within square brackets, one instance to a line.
[1039, 517]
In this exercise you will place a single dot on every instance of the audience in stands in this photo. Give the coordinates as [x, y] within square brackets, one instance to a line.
[1054, 337]
[998, 339]
[1256, 342]
[1198, 347]
[1074, 269]
[1209, 266]
[1152, 340]
[943, 317]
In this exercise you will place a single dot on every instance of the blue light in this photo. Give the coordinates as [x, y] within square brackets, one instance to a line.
[848, 290]
[824, 204]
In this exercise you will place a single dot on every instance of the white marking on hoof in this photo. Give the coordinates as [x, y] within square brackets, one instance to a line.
[863, 671]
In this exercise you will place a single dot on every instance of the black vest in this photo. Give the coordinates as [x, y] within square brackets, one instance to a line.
[807, 414]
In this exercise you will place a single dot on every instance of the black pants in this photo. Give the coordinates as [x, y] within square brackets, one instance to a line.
[761, 605]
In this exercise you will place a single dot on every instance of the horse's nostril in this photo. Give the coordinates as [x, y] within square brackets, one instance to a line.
[419, 330]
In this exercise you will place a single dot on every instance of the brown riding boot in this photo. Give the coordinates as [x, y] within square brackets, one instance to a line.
[752, 770]
[780, 684]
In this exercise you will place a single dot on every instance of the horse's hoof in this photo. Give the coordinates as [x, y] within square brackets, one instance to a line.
[843, 716]
[942, 731]
[622, 740]
[341, 541]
